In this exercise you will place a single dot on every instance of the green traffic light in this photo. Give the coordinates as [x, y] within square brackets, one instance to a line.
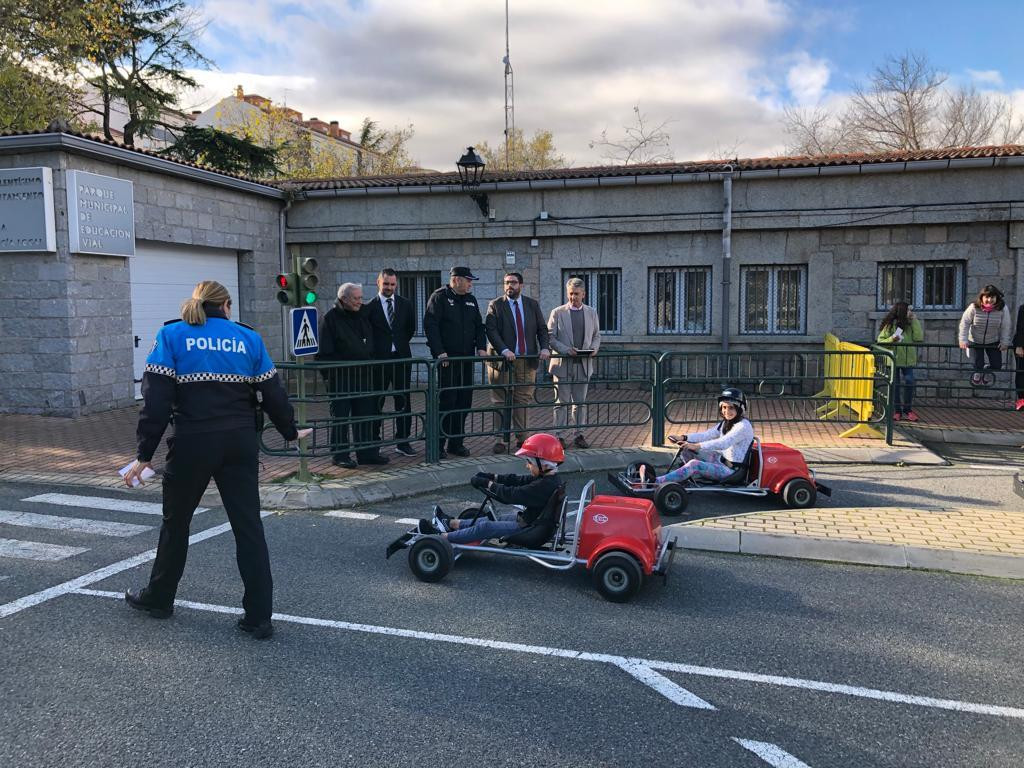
[310, 297]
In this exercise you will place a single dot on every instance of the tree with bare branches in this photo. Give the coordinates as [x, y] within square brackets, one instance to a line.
[907, 104]
[643, 142]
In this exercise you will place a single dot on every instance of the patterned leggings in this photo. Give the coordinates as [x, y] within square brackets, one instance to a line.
[712, 470]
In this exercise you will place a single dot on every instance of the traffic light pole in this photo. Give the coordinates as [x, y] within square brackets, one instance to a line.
[304, 475]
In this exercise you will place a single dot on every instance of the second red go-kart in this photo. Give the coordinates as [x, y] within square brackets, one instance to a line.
[619, 540]
[768, 468]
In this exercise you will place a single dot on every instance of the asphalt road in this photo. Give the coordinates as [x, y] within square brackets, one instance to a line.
[738, 661]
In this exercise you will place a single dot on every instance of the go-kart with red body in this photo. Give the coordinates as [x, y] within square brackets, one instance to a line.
[619, 540]
[768, 468]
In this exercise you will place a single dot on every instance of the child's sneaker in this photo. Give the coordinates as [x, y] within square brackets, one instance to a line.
[910, 416]
[1020, 404]
[426, 527]
[896, 416]
[440, 520]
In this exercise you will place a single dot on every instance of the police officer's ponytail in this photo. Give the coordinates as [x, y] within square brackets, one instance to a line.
[206, 292]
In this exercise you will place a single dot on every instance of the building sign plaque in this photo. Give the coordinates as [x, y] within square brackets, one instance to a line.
[101, 215]
[26, 210]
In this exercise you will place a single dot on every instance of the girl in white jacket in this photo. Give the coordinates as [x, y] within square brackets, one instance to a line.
[985, 330]
[719, 449]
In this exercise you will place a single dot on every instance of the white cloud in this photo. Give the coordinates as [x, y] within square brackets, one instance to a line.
[712, 69]
[807, 78]
[990, 77]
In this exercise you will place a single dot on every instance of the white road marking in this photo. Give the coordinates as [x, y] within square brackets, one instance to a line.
[620, 661]
[34, 550]
[407, 521]
[846, 690]
[771, 754]
[350, 514]
[8, 609]
[75, 524]
[664, 686]
[101, 502]
[999, 467]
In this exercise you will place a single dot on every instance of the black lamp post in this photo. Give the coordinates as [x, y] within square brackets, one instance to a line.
[471, 171]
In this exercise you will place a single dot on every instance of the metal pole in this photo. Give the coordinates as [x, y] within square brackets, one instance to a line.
[726, 253]
[304, 475]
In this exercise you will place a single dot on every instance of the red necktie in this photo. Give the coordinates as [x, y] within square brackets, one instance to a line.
[520, 331]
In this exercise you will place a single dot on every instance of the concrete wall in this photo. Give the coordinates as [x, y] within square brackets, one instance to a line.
[65, 319]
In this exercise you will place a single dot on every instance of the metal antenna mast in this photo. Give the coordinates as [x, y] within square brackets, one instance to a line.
[510, 100]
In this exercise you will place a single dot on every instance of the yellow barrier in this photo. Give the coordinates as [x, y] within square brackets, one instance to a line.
[849, 385]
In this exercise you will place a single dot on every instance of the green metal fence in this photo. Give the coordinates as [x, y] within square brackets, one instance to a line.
[627, 389]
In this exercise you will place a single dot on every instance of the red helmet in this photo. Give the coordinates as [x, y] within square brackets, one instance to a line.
[542, 446]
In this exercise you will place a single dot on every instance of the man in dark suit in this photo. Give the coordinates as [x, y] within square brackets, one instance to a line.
[393, 323]
[515, 329]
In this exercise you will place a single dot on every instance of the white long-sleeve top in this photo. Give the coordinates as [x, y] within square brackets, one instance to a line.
[732, 445]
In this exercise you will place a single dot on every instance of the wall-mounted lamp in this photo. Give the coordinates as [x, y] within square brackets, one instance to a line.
[471, 171]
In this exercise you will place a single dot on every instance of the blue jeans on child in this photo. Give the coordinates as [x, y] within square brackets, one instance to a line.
[708, 466]
[903, 396]
[505, 525]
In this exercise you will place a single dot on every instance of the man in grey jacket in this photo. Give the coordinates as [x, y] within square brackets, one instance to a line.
[576, 336]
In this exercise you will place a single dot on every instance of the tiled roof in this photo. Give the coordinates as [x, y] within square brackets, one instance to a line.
[103, 140]
[704, 166]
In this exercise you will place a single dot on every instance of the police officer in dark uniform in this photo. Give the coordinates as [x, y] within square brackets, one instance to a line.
[454, 328]
[204, 374]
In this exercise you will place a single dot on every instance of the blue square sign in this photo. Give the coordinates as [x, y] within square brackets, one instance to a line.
[304, 330]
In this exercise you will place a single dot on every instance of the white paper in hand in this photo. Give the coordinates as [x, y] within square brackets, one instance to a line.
[146, 473]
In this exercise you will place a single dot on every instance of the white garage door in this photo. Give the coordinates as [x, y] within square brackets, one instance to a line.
[162, 277]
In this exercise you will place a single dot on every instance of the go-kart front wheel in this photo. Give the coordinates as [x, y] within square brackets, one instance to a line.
[799, 494]
[617, 576]
[431, 558]
[671, 499]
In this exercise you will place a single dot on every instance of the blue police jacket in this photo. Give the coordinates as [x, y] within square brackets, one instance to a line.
[205, 378]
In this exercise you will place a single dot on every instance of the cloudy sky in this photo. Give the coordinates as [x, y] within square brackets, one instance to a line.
[719, 71]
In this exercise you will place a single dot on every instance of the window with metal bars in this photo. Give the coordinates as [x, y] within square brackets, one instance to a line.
[679, 300]
[925, 285]
[417, 287]
[773, 299]
[603, 293]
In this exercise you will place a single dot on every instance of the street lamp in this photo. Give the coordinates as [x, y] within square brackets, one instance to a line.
[471, 171]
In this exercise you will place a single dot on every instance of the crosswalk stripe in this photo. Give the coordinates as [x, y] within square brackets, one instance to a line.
[350, 514]
[407, 521]
[74, 524]
[101, 502]
[34, 550]
[772, 754]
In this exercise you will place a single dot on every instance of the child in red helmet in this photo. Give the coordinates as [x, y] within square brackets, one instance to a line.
[543, 454]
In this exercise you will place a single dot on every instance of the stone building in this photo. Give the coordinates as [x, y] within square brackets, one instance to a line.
[817, 245]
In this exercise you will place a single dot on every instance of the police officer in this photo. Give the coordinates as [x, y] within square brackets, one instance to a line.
[454, 328]
[204, 374]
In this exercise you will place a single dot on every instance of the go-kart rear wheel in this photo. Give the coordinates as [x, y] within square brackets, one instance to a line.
[431, 558]
[799, 494]
[671, 499]
[617, 576]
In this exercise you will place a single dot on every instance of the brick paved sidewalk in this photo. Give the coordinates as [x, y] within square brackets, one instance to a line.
[988, 542]
[90, 449]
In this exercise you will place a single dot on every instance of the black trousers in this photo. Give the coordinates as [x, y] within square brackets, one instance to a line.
[395, 376]
[231, 458]
[456, 398]
[348, 407]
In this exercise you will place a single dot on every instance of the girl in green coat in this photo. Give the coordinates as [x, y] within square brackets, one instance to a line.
[902, 331]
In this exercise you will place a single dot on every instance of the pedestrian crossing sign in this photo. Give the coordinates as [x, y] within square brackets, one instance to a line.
[304, 325]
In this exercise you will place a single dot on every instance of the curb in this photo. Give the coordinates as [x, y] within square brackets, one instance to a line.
[924, 434]
[399, 484]
[693, 536]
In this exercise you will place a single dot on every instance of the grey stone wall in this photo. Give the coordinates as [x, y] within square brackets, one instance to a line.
[828, 223]
[65, 319]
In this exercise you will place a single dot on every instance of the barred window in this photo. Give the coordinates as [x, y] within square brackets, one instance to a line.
[679, 300]
[924, 285]
[417, 287]
[773, 299]
[603, 294]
